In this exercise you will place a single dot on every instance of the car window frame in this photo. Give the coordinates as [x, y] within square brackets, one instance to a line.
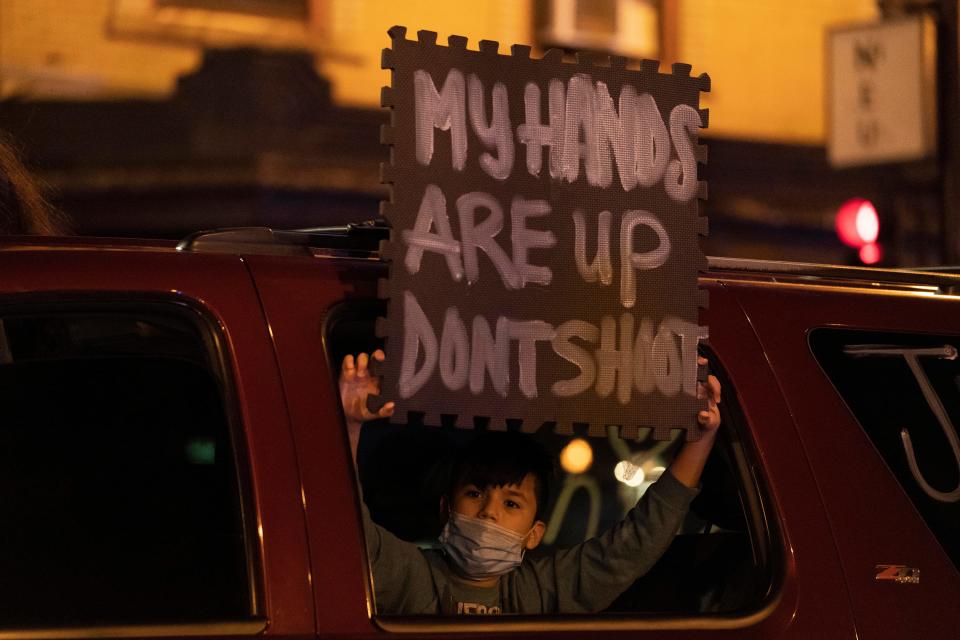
[217, 347]
[754, 494]
[868, 432]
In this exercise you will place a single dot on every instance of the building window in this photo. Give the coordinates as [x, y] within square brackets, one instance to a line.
[630, 28]
[285, 9]
[284, 24]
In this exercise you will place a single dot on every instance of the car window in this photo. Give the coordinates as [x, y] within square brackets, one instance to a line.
[722, 559]
[118, 479]
[904, 390]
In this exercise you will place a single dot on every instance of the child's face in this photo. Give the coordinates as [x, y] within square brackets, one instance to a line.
[513, 506]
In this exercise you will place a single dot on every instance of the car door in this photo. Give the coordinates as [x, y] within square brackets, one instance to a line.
[877, 515]
[321, 309]
[149, 478]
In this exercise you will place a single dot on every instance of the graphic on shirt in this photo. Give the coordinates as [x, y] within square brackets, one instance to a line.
[476, 609]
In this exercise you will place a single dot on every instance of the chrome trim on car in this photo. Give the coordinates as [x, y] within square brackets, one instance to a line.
[344, 254]
[565, 623]
[246, 240]
[241, 628]
[879, 290]
[354, 240]
[359, 241]
[867, 277]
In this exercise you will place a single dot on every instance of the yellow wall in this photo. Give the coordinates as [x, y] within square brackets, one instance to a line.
[51, 48]
[766, 62]
[765, 57]
[359, 33]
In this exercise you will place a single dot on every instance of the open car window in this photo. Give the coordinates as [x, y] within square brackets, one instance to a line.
[722, 559]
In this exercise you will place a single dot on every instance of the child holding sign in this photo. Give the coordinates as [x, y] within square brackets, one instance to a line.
[493, 505]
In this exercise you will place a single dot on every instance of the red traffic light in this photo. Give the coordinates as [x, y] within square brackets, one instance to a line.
[858, 224]
[870, 253]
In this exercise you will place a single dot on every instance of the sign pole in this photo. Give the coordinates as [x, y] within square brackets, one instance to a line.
[948, 99]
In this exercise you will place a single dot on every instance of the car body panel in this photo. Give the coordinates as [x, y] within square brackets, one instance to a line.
[833, 508]
[872, 519]
[813, 591]
[220, 287]
[297, 296]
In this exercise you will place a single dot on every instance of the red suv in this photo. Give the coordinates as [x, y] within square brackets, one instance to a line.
[175, 461]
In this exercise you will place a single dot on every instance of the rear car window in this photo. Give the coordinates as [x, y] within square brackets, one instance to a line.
[118, 477]
[904, 390]
[722, 560]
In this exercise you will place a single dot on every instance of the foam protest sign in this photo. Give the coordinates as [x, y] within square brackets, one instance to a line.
[545, 231]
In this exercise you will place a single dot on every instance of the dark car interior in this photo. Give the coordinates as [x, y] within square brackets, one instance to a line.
[117, 469]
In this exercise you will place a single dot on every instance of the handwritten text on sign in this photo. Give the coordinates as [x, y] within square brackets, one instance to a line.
[545, 240]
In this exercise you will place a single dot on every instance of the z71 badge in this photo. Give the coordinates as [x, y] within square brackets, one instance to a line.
[897, 573]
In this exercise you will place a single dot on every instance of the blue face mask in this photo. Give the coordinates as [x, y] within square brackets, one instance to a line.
[480, 549]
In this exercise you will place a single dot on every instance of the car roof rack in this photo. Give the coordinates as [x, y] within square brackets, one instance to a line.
[360, 239]
[781, 271]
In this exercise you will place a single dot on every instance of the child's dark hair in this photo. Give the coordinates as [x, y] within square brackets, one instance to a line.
[498, 458]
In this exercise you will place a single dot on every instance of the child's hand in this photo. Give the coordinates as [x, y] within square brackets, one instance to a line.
[710, 418]
[688, 466]
[356, 383]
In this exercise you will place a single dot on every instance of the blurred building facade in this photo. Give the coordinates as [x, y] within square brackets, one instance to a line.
[159, 117]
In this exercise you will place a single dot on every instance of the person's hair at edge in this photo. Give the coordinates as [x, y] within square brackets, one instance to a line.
[500, 458]
[23, 209]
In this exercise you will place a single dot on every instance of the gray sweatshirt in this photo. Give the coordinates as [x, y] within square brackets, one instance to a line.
[583, 579]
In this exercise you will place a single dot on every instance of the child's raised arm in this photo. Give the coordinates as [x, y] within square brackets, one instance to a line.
[356, 383]
[688, 465]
